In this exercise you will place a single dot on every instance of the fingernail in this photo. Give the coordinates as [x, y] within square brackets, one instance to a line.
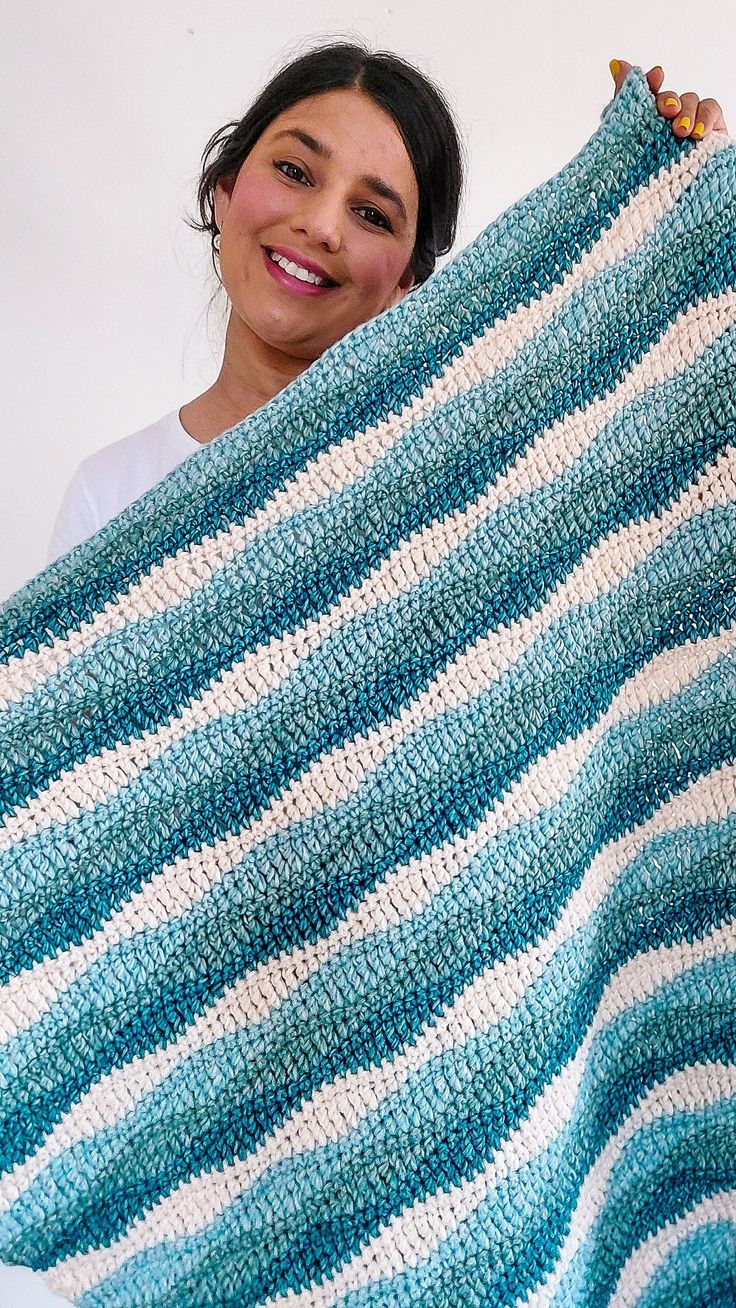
[699, 129]
[685, 123]
[615, 67]
[671, 99]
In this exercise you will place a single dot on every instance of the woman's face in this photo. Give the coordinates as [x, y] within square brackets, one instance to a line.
[330, 185]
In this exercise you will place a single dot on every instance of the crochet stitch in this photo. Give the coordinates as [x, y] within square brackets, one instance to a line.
[369, 802]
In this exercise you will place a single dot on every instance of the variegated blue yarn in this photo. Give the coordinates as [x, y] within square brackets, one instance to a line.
[368, 794]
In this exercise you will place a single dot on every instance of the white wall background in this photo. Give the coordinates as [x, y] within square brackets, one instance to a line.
[107, 109]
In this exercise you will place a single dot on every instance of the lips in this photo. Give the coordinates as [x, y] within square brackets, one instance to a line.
[295, 285]
[295, 257]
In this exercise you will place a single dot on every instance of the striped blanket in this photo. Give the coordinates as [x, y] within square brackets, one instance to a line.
[369, 803]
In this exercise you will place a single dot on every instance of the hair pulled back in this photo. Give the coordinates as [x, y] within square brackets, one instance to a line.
[415, 104]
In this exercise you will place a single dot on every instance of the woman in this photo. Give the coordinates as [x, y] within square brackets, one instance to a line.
[325, 204]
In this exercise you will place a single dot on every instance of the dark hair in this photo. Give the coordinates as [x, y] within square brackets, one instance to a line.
[416, 105]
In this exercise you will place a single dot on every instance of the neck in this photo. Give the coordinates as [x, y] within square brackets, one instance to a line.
[252, 372]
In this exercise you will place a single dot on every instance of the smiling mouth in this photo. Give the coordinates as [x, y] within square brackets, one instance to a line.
[302, 277]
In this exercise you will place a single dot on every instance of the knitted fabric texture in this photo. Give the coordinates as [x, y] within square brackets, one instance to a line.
[369, 790]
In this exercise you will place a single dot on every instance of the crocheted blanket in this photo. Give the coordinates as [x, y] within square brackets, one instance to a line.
[369, 789]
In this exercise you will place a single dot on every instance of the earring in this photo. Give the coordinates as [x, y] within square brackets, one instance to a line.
[216, 241]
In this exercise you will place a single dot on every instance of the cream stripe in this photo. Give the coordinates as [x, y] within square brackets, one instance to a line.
[642, 1266]
[331, 779]
[341, 465]
[419, 1230]
[98, 777]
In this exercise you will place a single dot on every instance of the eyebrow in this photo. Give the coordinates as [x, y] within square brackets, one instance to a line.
[375, 183]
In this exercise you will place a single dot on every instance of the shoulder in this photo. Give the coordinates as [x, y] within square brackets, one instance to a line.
[107, 481]
[120, 472]
[141, 458]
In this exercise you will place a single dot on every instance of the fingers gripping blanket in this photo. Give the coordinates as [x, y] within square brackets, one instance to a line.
[369, 792]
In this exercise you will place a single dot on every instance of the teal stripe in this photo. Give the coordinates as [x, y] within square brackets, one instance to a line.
[362, 377]
[271, 897]
[701, 1269]
[104, 696]
[145, 1156]
[252, 754]
[275, 1225]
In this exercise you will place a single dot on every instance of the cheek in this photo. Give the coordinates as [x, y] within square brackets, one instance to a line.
[378, 270]
[258, 202]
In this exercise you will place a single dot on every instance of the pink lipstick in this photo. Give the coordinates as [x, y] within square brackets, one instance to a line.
[292, 283]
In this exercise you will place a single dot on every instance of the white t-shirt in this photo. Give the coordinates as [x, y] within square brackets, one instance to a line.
[115, 476]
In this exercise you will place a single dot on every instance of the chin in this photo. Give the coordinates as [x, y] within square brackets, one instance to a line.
[298, 346]
[289, 329]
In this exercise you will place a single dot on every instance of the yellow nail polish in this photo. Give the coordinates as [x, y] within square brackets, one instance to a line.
[671, 99]
[699, 129]
[615, 67]
[685, 123]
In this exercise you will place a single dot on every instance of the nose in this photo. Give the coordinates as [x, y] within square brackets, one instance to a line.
[319, 219]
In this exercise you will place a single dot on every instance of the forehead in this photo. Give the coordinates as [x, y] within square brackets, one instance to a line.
[357, 132]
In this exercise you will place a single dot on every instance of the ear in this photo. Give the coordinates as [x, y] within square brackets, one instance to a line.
[406, 282]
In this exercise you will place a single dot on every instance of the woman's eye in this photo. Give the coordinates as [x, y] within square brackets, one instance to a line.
[282, 164]
[383, 221]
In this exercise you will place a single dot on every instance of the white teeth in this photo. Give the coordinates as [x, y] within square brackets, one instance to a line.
[296, 270]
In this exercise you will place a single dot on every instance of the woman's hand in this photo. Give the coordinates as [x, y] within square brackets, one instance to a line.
[690, 115]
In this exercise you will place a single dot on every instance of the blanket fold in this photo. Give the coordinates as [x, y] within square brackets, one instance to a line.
[368, 802]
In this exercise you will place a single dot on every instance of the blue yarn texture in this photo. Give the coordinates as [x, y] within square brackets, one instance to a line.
[368, 802]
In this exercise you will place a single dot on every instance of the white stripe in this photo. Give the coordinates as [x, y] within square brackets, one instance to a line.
[417, 1232]
[172, 892]
[341, 465]
[98, 777]
[641, 1268]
